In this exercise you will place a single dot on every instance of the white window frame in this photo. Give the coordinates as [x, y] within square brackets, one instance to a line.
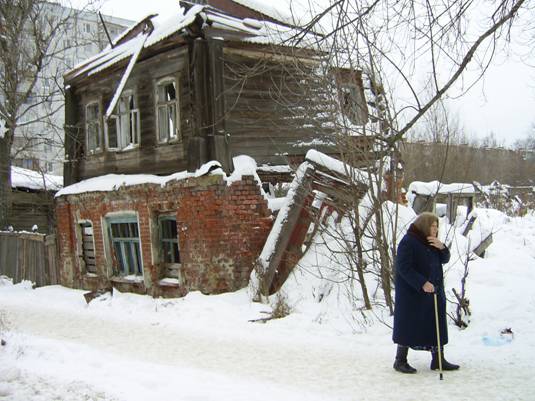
[124, 119]
[98, 140]
[165, 106]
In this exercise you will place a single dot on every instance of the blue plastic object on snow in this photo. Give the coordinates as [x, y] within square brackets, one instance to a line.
[496, 341]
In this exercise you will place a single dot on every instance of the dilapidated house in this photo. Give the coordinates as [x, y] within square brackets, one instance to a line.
[174, 93]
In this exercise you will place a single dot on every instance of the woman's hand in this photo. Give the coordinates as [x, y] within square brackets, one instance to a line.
[428, 287]
[434, 241]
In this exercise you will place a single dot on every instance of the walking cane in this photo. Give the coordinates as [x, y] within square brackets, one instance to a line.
[438, 337]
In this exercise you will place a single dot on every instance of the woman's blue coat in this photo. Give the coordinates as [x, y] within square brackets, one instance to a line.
[414, 313]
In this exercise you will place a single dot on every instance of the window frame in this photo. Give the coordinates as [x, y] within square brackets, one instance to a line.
[81, 225]
[98, 123]
[162, 240]
[351, 97]
[165, 104]
[125, 138]
[129, 243]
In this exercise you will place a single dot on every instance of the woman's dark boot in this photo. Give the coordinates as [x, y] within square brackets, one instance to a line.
[401, 364]
[445, 364]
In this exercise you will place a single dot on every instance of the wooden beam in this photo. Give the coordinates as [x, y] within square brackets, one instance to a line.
[482, 247]
[267, 56]
[287, 222]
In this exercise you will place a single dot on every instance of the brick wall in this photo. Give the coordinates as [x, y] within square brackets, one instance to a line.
[221, 231]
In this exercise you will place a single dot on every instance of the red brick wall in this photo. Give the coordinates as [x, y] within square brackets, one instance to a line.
[221, 231]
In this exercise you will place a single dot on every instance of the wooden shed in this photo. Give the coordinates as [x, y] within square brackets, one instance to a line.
[33, 200]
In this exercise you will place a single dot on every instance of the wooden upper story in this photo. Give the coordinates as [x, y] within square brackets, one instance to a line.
[173, 93]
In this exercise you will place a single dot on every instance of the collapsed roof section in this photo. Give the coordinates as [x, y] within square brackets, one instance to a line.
[339, 184]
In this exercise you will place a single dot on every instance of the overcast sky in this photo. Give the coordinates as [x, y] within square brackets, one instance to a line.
[504, 102]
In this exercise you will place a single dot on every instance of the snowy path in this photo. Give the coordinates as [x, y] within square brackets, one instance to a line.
[202, 365]
[202, 348]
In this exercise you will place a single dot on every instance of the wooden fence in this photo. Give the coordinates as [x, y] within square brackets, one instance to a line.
[28, 256]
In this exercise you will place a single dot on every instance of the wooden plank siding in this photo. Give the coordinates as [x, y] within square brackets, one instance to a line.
[32, 208]
[26, 256]
[272, 107]
[149, 155]
[235, 98]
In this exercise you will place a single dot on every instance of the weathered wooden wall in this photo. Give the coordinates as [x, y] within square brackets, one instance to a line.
[32, 208]
[150, 155]
[274, 106]
[235, 98]
[26, 256]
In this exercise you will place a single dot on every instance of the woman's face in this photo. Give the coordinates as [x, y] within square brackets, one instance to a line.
[433, 230]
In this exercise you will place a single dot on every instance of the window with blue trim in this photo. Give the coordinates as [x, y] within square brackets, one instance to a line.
[124, 237]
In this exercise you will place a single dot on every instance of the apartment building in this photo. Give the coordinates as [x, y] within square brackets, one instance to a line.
[38, 144]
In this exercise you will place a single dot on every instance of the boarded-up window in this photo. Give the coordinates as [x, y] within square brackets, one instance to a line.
[88, 247]
[167, 110]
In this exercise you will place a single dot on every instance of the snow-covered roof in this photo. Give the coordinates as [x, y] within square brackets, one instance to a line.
[243, 165]
[254, 31]
[24, 178]
[113, 182]
[435, 187]
[265, 168]
[292, 12]
[337, 166]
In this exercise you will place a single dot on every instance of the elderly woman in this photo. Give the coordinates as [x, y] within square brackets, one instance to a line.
[419, 274]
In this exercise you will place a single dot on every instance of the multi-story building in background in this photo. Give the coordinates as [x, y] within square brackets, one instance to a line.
[38, 143]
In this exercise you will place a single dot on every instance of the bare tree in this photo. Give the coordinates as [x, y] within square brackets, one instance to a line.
[33, 58]
[396, 43]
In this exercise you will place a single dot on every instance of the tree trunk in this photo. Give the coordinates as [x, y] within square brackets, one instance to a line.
[5, 181]
[360, 262]
[385, 268]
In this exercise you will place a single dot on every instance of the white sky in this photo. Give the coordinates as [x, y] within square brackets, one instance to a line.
[503, 103]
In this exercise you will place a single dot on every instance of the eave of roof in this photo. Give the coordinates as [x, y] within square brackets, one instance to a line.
[182, 23]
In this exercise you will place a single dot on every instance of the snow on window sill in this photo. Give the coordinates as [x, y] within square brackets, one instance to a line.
[172, 141]
[169, 282]
[95, 152]
[131, 279]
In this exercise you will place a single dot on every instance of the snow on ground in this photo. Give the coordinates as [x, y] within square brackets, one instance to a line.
[130, 347]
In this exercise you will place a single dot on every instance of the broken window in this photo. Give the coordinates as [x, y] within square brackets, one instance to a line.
[351, 95]
[169, 249]
[167, 110]
[123, 127]
[88, 247]
[351, 103]
[169, 240]
[92, 127]
[124, 237]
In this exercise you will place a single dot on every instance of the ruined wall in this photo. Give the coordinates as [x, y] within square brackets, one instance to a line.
[221, 231]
